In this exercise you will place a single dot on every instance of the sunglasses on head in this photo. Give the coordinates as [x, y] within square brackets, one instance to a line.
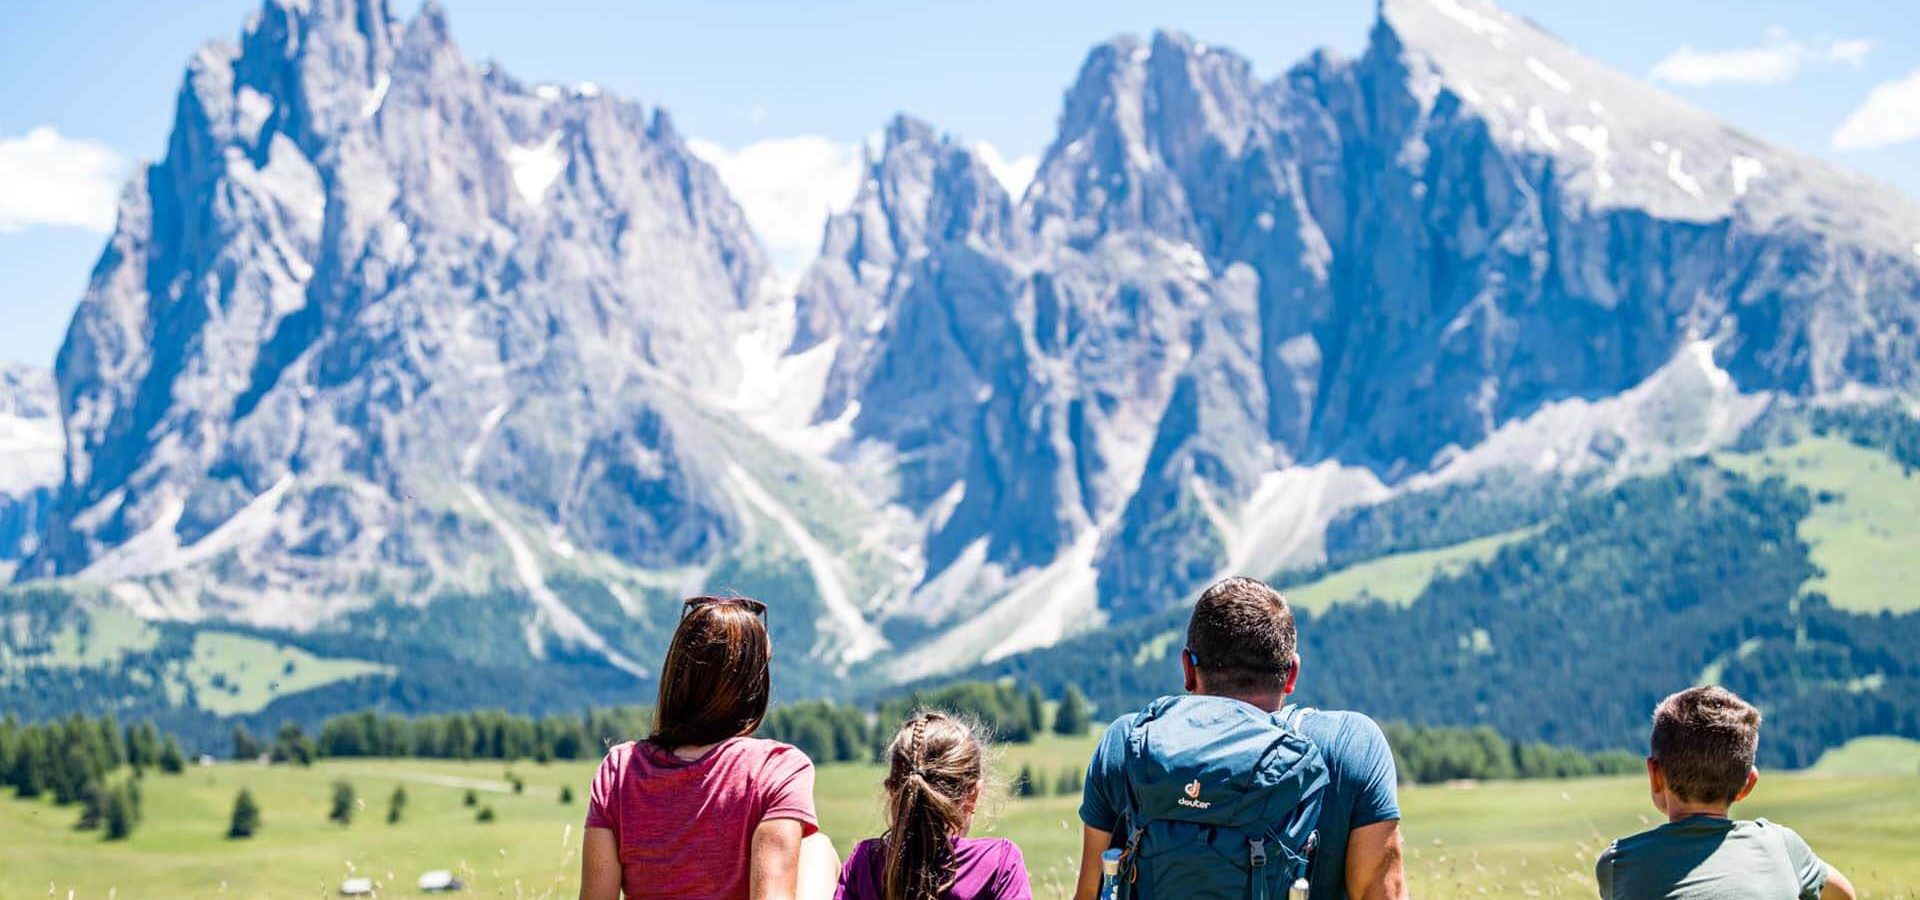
[747, 603]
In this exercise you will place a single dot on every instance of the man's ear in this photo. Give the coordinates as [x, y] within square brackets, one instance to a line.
[1753, 778]
[1293, 676]
[1657, 784]
[1189, 674]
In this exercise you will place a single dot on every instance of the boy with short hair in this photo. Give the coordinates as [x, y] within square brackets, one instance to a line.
[1704, 741]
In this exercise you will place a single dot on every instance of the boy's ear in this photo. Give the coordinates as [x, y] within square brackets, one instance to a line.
[1293, 676]
[1189, 673]
[1657, 784]
[1753, 778]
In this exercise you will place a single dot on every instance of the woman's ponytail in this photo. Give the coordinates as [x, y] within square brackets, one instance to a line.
[935, 770]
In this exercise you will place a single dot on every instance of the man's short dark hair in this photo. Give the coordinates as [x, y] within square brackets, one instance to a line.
[1242, 637]
[1705, 739]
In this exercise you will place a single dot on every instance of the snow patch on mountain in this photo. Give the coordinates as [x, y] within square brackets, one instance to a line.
[154, 549]
[1547, 74]
[1284, 522]
[858, 639]
[535, 167]
[526, 565]
[1478, 22]
[1744, 170]
[377, 97]
[1677, 174]
[1687, 407]
[1035, 609]
[778, 393]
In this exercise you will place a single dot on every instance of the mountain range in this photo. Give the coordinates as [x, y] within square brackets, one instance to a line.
[395, 358]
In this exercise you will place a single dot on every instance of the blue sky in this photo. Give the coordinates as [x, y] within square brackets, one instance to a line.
[775, 89]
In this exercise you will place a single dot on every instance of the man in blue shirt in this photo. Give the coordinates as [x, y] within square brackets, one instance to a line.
[1241, 649]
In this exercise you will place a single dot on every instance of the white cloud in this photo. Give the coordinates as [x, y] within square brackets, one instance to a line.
[787, 187]
[1851, 52]
[1751, 65]
[46, 179]
[1890, 115]
[1779, 60]
[1014, 174]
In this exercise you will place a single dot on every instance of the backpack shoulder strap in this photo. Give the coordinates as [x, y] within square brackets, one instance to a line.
[1131, 819]
[1291, 716]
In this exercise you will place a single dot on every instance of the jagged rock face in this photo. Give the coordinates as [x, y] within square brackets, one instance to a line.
[1390, 258]
[379, 315]
[30, 447]
[369, 277]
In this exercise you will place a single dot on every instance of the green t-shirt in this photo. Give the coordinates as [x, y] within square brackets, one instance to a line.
[1710, 858]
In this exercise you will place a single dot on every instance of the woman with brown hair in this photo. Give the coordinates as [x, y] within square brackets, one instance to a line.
[933, 786]
[700, 810]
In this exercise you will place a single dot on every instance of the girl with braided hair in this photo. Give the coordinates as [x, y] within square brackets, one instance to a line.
[933, 787]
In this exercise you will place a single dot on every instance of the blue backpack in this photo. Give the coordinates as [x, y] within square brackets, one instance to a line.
[1222, 801]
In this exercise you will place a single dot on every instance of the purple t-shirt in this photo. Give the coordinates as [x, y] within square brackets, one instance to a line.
[985, 869]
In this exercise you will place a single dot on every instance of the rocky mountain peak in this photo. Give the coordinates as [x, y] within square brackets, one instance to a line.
[30, 446]
[27, 392]
[382, 303]
[922, 191]
[1138, 128]
[387, 323]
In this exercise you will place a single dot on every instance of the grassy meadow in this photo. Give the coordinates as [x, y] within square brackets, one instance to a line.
[1524, 839]
[1398, 578]
[1862, 532]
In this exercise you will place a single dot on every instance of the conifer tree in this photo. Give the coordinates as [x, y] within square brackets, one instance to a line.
[93, 806]
[172, 761]
[118, 817]
[245, 745]
[340, 811]
[1036, 712]
[246, 816]
[1073, 718]
[1026, 785]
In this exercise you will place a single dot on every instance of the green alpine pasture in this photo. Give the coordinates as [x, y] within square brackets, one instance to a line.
[1517, 839]
[1872, 756]
[1864, 526]
[1398, 578]
[233, 673]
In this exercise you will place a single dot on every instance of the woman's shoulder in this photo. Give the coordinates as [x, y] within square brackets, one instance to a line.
[619, 756]
[772, 752]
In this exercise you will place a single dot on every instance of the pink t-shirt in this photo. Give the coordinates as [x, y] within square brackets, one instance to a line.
[685, 827]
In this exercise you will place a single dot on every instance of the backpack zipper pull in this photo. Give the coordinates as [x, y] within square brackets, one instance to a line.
[1257, 856]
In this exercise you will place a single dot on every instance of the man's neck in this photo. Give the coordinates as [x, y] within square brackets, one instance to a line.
[1265, 702]
[1681, 809]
